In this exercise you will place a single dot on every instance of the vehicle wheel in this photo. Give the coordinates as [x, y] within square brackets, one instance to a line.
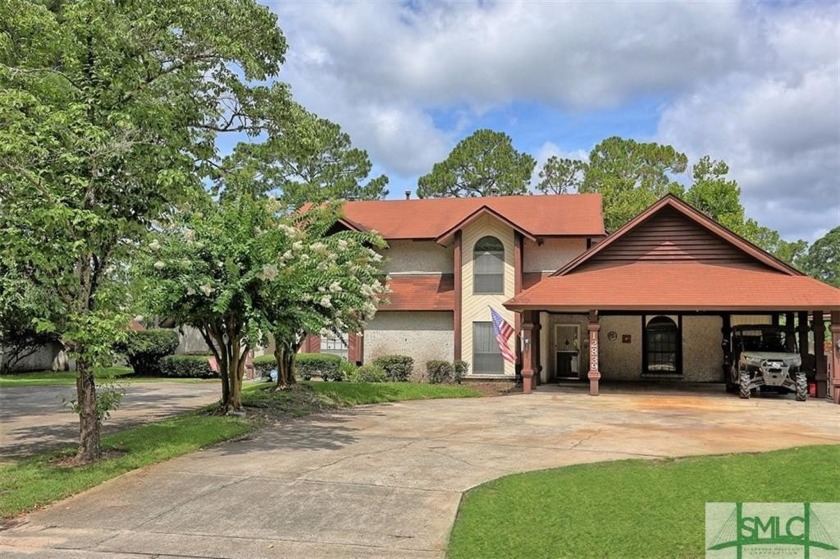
[744, 385]
[801, 387]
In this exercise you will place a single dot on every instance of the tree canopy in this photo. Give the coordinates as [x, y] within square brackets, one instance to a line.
[822, 260]
[110, 112]
[483, 164]
[303, 159]
[630, 176]
[561, 175]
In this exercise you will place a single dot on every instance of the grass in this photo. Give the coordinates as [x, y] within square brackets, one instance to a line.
[356, 393]
[62, 378]
[41, 480]
[633, 508]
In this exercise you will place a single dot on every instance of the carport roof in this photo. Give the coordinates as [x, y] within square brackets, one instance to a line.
[674, 258]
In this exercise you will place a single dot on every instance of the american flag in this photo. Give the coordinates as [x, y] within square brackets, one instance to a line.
[503, 332]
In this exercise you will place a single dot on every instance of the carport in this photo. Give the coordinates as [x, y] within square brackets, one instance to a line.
[655, 300]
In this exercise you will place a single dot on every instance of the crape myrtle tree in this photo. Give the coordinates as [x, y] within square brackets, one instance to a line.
[325, 282]
[237, 269]
[109, 111]
[483, 164]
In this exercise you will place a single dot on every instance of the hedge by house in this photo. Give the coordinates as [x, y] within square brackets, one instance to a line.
[398, 368]
[145, 349]
[264, 364]
[439, 372]
[187, 366]
[324, 365]
[369, 373]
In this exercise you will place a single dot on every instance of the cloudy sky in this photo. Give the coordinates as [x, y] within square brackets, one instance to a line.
[756, 84]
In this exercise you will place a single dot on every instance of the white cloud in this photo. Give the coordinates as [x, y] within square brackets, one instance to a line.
[779, 129]
[754, 84]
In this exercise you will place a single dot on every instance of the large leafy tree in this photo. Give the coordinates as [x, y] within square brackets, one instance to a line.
[110, 109]
[823, 258]
[483, 164]
[630, 176]
[303, 159]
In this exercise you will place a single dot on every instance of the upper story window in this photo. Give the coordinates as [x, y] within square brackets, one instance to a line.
[489, 266]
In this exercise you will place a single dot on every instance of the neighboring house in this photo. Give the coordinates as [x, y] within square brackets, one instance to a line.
[653, 300]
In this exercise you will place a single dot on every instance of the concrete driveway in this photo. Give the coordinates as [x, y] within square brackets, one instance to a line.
[34, 418]
[386, 480]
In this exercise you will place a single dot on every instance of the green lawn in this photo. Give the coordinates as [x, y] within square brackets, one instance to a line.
[37, 481]
[353, 393]
[62, 378]
[635, 508]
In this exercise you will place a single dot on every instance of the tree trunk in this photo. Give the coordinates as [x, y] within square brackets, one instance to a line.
[89, 424]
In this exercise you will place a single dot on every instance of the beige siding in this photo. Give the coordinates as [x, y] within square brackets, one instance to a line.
[476, 308]
[751, 319]
[619, 360]
[702, 352]
[551, 255]
[418, 257]
[421, 335]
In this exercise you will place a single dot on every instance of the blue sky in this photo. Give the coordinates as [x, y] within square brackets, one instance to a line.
[756, 84]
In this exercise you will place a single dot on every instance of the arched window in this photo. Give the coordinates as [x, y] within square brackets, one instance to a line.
[662, 344]
[489, 266]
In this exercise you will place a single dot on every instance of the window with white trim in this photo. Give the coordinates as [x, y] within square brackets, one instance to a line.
[487, 357]
[489, 266]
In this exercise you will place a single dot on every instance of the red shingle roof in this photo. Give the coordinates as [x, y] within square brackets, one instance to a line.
[537, 216]
[672, 257]
[433, 292]
[677, 286]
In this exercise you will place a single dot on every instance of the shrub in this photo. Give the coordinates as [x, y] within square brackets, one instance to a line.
[264, 364]
[347, 368]
[145, 349]
[369, 373]
[438, 372]
[324, 365]
[189, 366]
[460, 369]
[397, 367]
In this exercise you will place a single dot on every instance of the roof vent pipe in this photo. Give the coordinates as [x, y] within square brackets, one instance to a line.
[408, 195]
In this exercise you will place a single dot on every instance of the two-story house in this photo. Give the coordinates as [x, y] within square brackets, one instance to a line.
[654, 300]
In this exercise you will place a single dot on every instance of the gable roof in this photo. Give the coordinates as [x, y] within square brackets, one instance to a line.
[576, 215]
[670, 230]
[674, 258]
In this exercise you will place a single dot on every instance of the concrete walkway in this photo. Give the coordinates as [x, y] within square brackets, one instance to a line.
[386, 480]
[34, 418]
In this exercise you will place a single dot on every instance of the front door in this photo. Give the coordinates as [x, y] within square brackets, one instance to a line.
[566, 351]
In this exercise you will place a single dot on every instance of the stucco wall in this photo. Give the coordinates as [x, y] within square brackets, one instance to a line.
[702, 352]
[413, 257]
[476, 308]
[421, 335]
[619, 360]
[551, 255]
[41, 360]
[190, 342]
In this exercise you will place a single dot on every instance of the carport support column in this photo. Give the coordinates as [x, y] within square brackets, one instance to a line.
[819, 353]
[835, 356]
[527, 352]
[594, 374]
